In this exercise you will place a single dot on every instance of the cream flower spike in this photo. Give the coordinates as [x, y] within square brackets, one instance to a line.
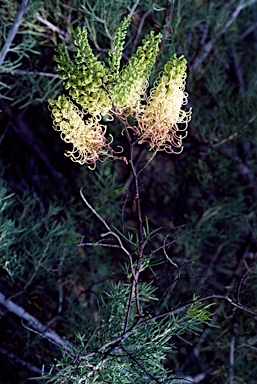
[159, 118]
[87, 137]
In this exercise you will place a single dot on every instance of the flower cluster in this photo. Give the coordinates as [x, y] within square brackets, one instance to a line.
[158, 119]
[103, 89]
[87, 137]
[85, 77]
[132, 83]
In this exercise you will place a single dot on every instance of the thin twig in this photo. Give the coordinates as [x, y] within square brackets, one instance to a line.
[247, 32]
[137, 194]
[132, 10]
[223, 141]
[242, 281]
[207, 48]
[140, 365]
[167, 245]
[51, 26]
[164, 294]
[168, 258]
[14, 30]
[148, 162]
[249, 346]
[141, 243]
[240, 6]
[32, 73]
[98, 244]
[119, 241]
[200, 300]
[129, 305]
[36, 326]
[104, 222]
[166, 30]
[20, 361]
[231, 359]
[137, 162]
[139, 29]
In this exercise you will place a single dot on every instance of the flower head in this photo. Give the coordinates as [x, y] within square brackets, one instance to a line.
[87, 137]
[158, 119]
[104, 89]
[84, 77]
[130, 86]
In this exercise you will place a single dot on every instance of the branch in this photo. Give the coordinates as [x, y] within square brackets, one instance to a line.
[200, 300]
[14, 30]
[249, 30]
[20, 361]
[206, 49]
[140, 365]
[51, 26]
[189, 379]
[242, 281]
[139, 30]
[166, 30]
[43, 330]
[105, 224]
[33, 73]
[98, 244]
[132, 10]
[119, 340]
[168, 258]
[232, 359]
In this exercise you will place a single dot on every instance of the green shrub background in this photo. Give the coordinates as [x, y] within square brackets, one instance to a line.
[204, 199]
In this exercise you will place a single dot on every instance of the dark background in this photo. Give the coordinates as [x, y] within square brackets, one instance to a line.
[205, 197]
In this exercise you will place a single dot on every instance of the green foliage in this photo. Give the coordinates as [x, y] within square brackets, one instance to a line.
[9, 232]
[35, 239]
[133, 355]
[24, 77]
[204, 200]
[39, 239]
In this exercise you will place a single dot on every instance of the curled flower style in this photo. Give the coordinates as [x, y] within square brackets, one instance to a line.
[137, 97]
[87, 137]
[158, 119]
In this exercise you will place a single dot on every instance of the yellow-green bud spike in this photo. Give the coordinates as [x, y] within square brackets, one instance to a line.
[83, 54]
[85, 77]
[65, 68]
[134, 76]
[117, 47]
